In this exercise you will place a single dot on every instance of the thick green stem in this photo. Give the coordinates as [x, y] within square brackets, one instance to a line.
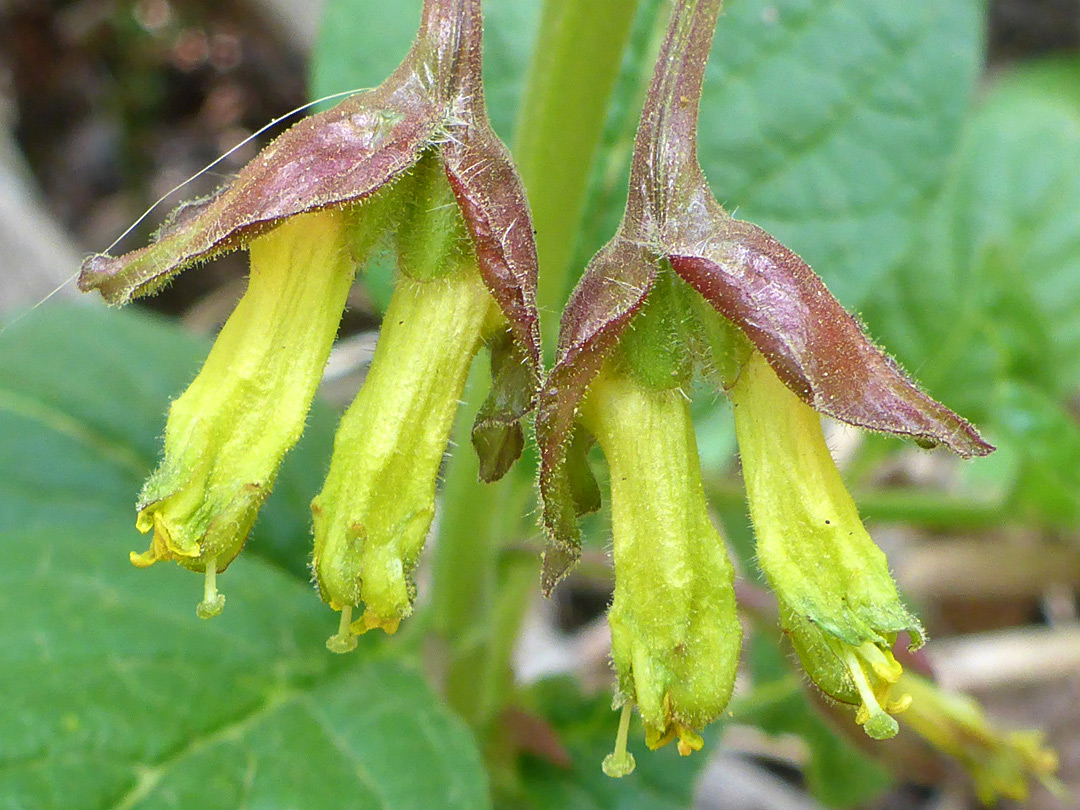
[578, 53]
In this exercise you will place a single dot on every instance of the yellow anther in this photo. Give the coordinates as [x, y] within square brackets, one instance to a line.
[689, 741]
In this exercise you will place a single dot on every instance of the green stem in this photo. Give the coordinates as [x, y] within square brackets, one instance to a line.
[575, 64]
[479, 595]
[466, 555]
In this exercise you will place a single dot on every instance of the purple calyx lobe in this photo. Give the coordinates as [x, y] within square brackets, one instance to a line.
[433, 100]
[819, 350]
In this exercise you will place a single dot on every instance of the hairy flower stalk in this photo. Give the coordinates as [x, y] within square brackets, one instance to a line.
[810, 357]
[227, 434]
[838, 601]
[416, 158]
[675, 635]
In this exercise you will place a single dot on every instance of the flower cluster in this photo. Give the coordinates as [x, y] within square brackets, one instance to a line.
[682, 287]
[683, 284]
[413, 161]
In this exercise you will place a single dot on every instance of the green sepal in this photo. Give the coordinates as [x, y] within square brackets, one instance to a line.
[839, 603]
[370, 224]
[720, 347]
[431, 236]
[584, 490]
[675, 632]
[655, 345]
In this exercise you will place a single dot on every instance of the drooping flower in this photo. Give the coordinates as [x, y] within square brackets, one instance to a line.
[675, 635]
[375, 509]
[309, 207]
[761, 315]
[837, 599]
[227, 434]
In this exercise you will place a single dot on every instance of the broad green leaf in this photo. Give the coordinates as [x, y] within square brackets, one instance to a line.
[116, 696]
[586, 728]
[988, 307]
[830, 124]
[83, 398]
[994, 292]
[837, 774]
[1046, 441]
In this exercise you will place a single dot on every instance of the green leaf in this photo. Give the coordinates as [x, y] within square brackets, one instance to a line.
[83, 398]
[830, 124]
[1046, 440]
[586, 728]
[837, 774]
[994, 292]
[118, 697]
[988, 307]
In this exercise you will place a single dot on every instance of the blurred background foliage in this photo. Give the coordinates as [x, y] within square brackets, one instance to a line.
[921, 156]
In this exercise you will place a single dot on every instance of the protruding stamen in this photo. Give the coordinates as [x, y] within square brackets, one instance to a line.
[620, 762]
[343, 641]
[875, 720]
[213, 602]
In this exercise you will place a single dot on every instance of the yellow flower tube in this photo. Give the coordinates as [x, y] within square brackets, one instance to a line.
[838, 601]
[228, 432]
[675, 634]
[373, 514]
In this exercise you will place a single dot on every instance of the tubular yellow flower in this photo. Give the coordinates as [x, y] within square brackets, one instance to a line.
[675, 635]
[838, 601]
[227, 434]
[373, 514]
